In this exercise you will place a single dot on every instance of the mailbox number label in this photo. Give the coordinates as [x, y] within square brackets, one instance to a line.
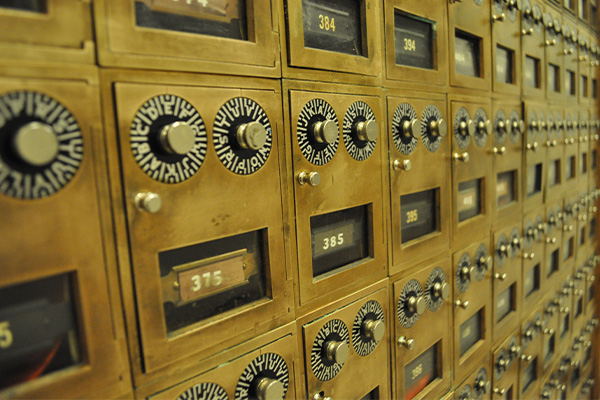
[412, 216]
[326, 24]
[209, 278]
[6, 335]
[410, 44]
[333, 241]
[418, 370]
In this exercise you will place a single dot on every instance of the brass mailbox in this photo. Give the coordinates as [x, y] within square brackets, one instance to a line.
[507, 170]
[419, 176]
[505, 368]
[321, 37]
[565, 313]
[550, 332]
[531, 353]
[594, 74]
[579, 298]
[584, 58]
[571, 160]
[570, 8]
[416, 45]
[590, 284]
[226, 36]
[506, 46]
[478, 384]
[335, 145]
[472, 270]
[423, 349]
[471, 160]
[469, 50]
[555, 150]
[569, 239]
[217, 262]
[554, 44]
[506, 291]
[534, 154]
[553, 271]
[570, 76]
[264, 367]
[584, 150]
[533, 61]
[59, 331]
[60, 31]
[532, 278]
[345, 347]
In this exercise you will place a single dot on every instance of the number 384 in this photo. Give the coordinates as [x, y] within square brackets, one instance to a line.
[333, 241]
[326, 23]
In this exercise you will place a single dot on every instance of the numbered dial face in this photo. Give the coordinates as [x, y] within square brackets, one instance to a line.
[322, 366]
[501, 128]
[463, 273]
[270, 366]
[511, 10]
[407, 314]
[515, 121]
[528, 234]
[315, 151]
[205, 390]
[501, 364]
[171, 118]
[432, 138]
[539, 224]
[362, 339]
[480, 133]
[466, 393]
[502, 250]
[499, 6]
[527, 16]
[532, 127]
[480, 384]
[242, 136]
[461, 135]
[356, 118]
[404, 139]
[41, 146]
[433, 289]
[515, 243]
[480, 262]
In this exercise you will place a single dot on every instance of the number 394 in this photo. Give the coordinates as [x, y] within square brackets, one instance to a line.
[333, 241]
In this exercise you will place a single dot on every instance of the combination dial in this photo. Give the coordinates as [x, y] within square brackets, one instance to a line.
[242, 136]
[515, 242]
[410, 303]
[318, 132]
[483, 262]
[464, 128]
[517, 127]
[368, 328]
[501, 128]
[501, 365]
[405, 128]
[514, 350]
[266, 378]
[533, 127]
[466, 393]
[503, 249]
[168, 139]
[433, 128]
[330, 350]
[41, 146]
[512, 7]
[481, 385]
[483, 127]
[464, 271]
[205, 390]
[360, 131]
[527, 21]
[530, 234]
[436, 289]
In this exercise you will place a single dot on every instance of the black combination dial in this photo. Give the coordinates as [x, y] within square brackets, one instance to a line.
[501, 364]
[481, 385]
[318, 132]
[205, 390]
[168, 139]
[405, 128]
[464, 128]
[41, 146]
[517, 127]
[483, 127]
[360, 131]
[368, 328]
[266, 377]
[433, 128]
[436, 289]
[482, 262]
[410, 304]
[466, 393]
[501, 128]
[515, 242]
[502, 250]
[464, 271]
[330, 350]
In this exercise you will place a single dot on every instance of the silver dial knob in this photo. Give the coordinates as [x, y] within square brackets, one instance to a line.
[177, 138]
[36, 144]
[416, 305]
[252, 135]
[467, 128]
[270, 389]
[438, 128]
[374, 329]
[411, 128]
[325, 131]
[441, 290]
[367, 131]
[337, 351]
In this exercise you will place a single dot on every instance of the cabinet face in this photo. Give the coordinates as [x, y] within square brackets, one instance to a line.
[419, 175]
[531, 354]
[478, 383]
[570, 82]
[533, 54]
[584, 57]
[216, 261]
[506, 47]
[505, 368]
[555, 149]
[534, 155]
[554, 43]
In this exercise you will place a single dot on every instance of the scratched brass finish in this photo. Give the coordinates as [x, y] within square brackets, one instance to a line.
[123, 44]
[431, 328]
[416, 179]
[191, 215]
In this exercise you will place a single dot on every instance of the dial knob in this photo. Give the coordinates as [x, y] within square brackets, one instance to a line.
[410, 128]
[518, 126]
[501, 125]
[367, 131]
[467, 128]
[252, 135]
[485, 127]
[514, 351]
[337, 351]
[325, 131]
[416, 305]
[438, 128]
[270, 389]
[483, 386]
[36, 144]
[441, 290]
[148, 201]
[374, 329]
[177, 138]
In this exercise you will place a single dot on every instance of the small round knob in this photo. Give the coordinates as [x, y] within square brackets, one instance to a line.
[337, 351]
[551, 240]
[325, 131]
[525, 357]
[416, 305]
[528, 256]
[482, 386]
[532, 146]
[411, 128]
[177, 138]
[374, 329]
[464, 157]
[404, 165]
[549, 331]
[148, 201]
[564, 310]
[467, 128]
[499, 276]
[367, 131]
[550, 42]
[462, 304]
[312, 178]
[514, 351]
[438, 128]
[499, 150]
[441, 290]
[502, 364]
[252, 135]
[36, 144]
[518, 126]
[406, 342]
[270, 389]
[321, 396]
[499, 18]
[526, 32]
[499, 391]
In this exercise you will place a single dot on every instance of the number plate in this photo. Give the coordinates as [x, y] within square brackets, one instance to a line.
[469, 199]
[414, 41]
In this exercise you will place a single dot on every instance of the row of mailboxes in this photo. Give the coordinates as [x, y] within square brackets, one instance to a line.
[531, 47]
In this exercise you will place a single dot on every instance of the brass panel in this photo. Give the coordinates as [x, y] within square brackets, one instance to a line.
[432, 11]
[506, 47]
[417, 178]
[550, 331]
[553, 245]
[555, 161]
[569, 240]
[421, 334]
[190, 215]
[570, 75]
[533, 57]
[585, 154]
[565, 313]
[584, 56]
[505, 367]
[534, 155]
[555, 46]
[478, 383]
[345, 183]
[121, 43]
[531, 354]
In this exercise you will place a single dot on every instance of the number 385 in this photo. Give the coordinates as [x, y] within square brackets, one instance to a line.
[333, 241]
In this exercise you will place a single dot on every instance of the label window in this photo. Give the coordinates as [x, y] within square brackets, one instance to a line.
[413, 41]
[571, 83]
[532, 72]
[532, 281]
[529, 375]
[552, 263]
[570, 168]
[568, 249]
[584, 86]
[419, 214]
[421, 372]
[554, 173]
[38, 6]
[534, 179]
[553, 78]
[505, 188]
[467, 49]
[471, 332]
[505, 303]
[469, 199]
[505, 65]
